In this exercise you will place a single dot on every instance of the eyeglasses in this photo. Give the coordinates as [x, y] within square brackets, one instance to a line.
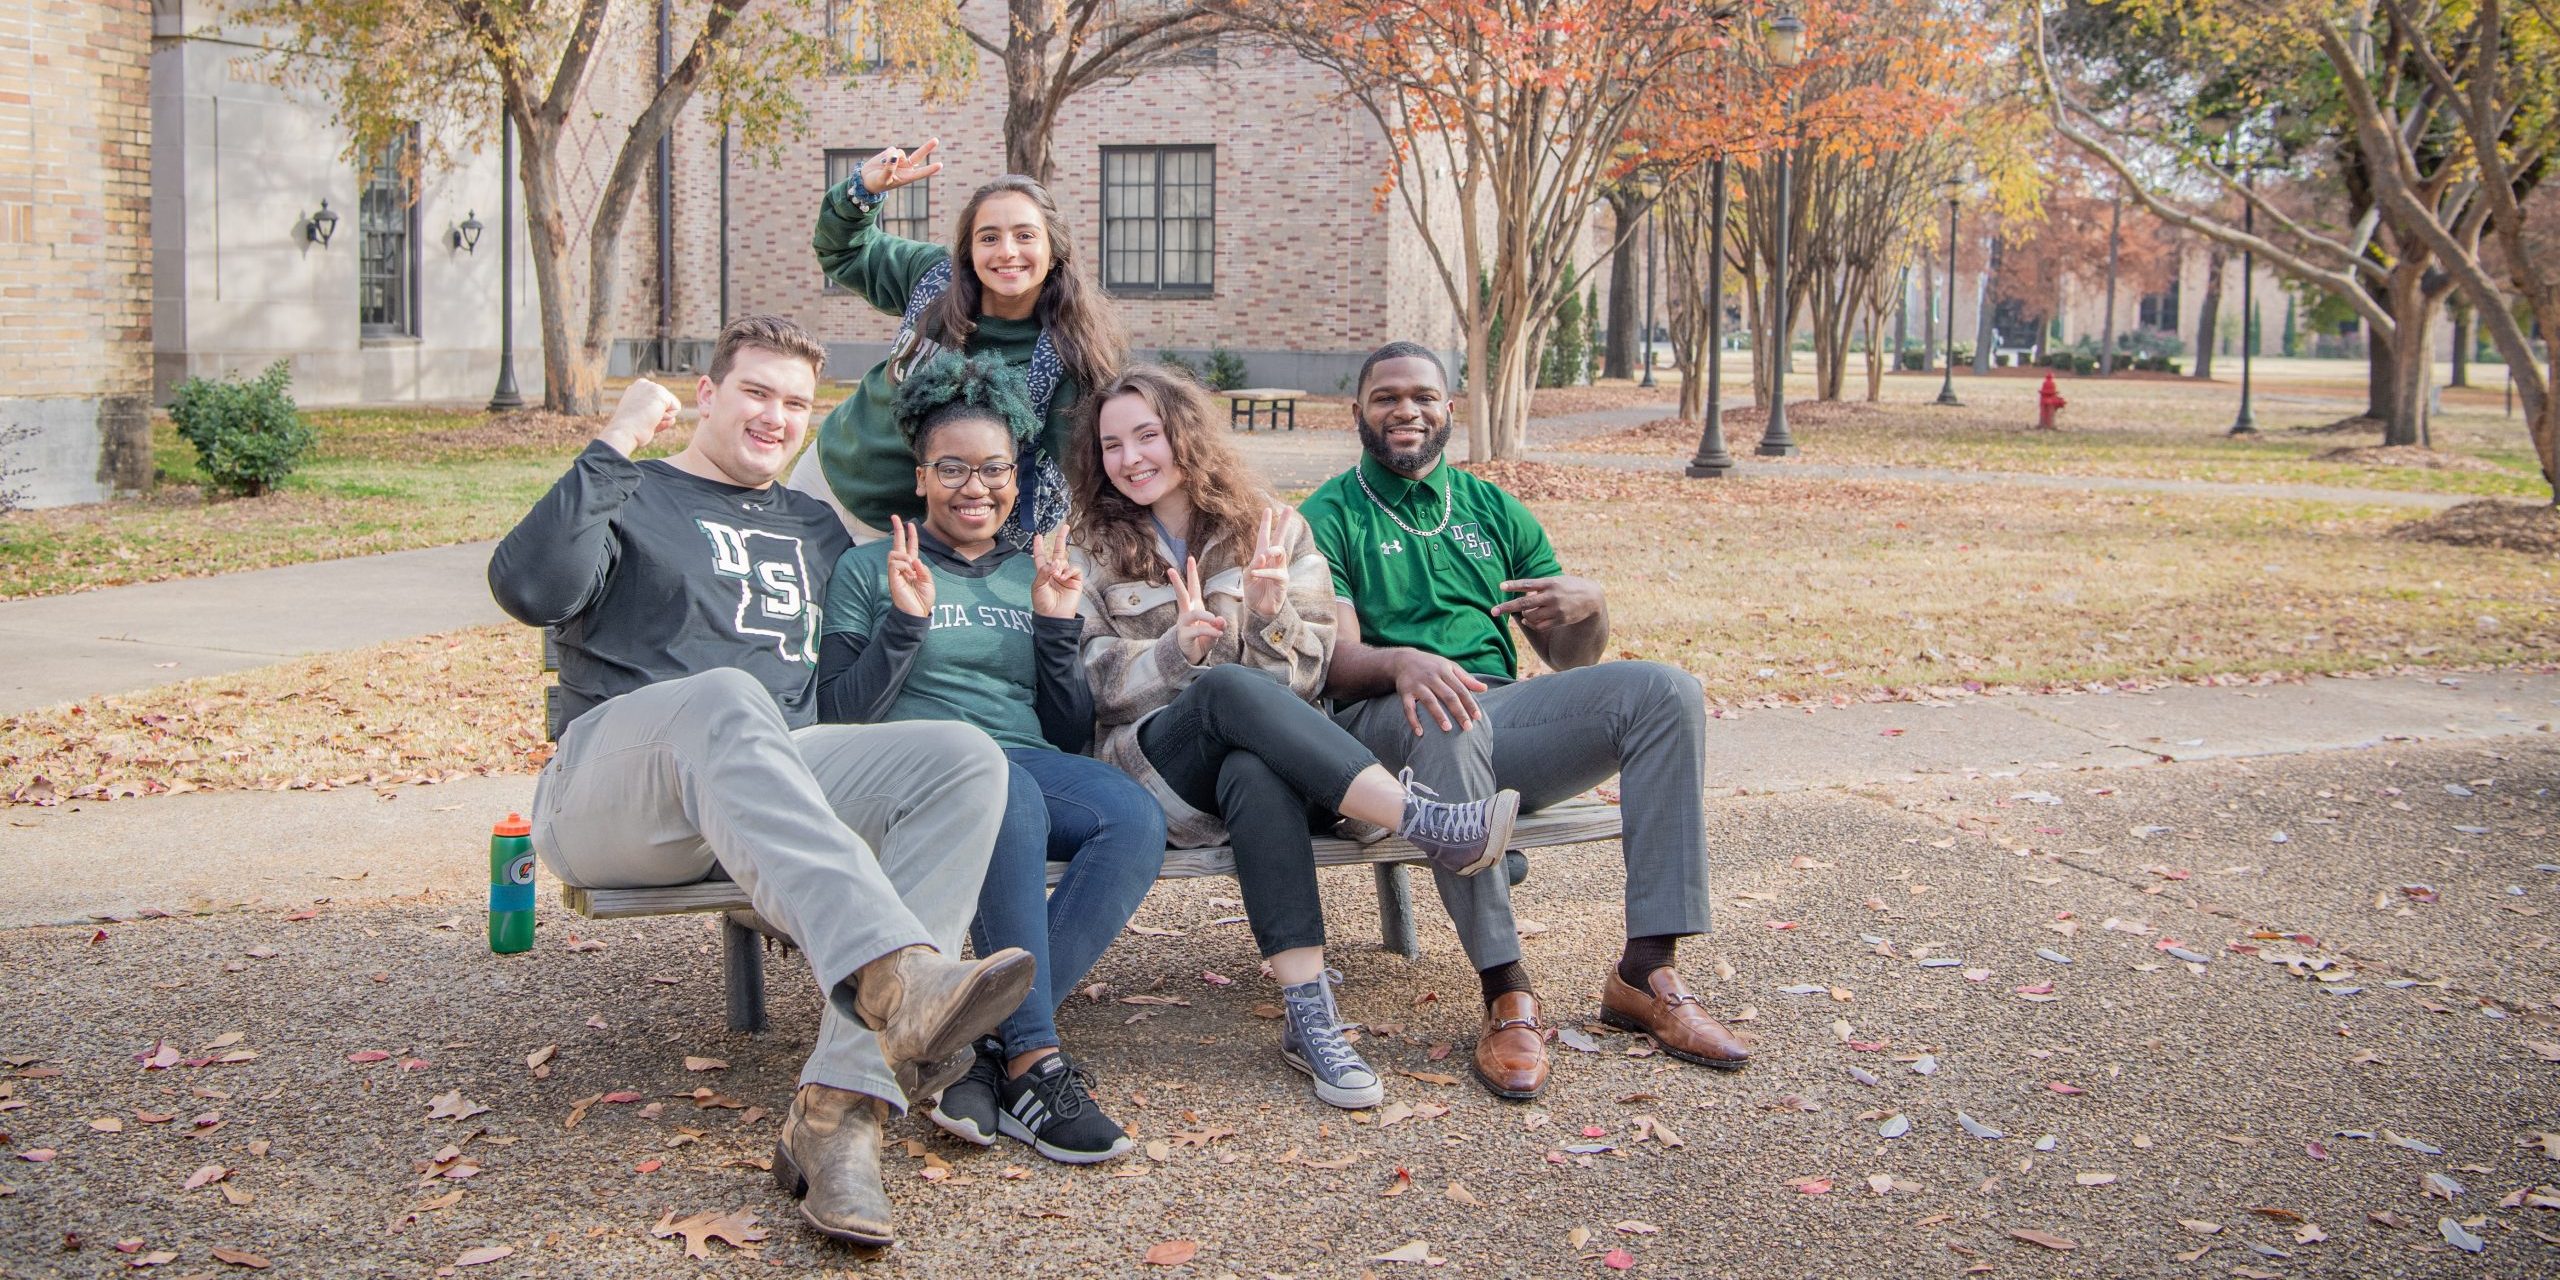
[954, 473]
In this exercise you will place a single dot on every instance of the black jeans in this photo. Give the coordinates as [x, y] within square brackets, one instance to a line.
[1238, 744]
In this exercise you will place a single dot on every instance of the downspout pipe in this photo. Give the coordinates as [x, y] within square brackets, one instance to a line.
[666, 202]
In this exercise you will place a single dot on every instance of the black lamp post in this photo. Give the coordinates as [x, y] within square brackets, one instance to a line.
[506, 396]
[467, 236]
[1713, 462]
[1786, 49]
[320, 226]
[2228, 127]
[1953, 188]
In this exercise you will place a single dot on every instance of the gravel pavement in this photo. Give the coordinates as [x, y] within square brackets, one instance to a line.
[2213, 1106]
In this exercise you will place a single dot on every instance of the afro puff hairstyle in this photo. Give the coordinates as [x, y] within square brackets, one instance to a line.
[955, 388]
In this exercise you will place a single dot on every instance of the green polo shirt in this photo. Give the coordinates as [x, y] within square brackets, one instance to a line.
[1432, 593]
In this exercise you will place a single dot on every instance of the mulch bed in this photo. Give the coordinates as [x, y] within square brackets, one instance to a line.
[2509, 526]
[2405, 455]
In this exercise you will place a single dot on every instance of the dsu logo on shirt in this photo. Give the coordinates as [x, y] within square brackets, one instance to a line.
[1470, 538]
[773, 592]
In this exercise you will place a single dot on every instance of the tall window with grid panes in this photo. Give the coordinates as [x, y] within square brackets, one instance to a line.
[1159, 220]
[387, 245]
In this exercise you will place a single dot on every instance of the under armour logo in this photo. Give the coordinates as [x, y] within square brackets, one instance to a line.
[1393, 546]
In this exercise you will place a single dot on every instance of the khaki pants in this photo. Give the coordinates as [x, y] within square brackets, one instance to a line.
[855, 840]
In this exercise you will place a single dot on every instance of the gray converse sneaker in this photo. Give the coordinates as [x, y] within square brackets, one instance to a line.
[1462, 839]
[1311, 1039]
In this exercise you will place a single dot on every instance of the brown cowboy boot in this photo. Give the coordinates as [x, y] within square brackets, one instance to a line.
[928, 1009]
[829, 1156]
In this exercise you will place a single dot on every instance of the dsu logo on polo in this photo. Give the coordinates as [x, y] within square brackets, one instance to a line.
[1470, 539]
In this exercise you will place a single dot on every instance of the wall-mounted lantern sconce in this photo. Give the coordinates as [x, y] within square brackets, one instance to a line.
[321, 226]
[467, 236]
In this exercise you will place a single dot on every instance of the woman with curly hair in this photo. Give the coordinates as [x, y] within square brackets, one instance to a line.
[1208, 624]
[947, 620]
[1010, 284]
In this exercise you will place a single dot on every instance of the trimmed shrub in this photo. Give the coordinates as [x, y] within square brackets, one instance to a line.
[248, 436]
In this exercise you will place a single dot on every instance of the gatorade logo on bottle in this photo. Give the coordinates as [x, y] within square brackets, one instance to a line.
[520, 871]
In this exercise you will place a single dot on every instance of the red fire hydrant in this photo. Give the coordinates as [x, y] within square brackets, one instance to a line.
[2049, 402]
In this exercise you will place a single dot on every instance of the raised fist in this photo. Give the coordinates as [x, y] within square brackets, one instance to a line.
[645, 410]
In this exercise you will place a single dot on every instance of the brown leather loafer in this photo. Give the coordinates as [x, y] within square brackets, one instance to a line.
[1511, 1047]
[1666, 1011]
[829, 1156]
[927, 1009]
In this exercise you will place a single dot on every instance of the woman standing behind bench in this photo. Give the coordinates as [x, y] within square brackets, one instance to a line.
[949, 621]
[1208, 624]
[1020, 293]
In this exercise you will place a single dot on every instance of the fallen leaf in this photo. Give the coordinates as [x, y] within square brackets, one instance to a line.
[2056, 1243]
[2455, 1235]
[736, 1228]
[2201, 1227]
[239, 1258]
[1634, 1227]
[451, 1105]
[107, 1124]
[1617, 1259]
[533, 1061]
[1410, 1251]
[1171, 1253]
[485, 1253]
[1458, 1192]
[704, 1064]
[2093, 1179]
[209, 1174]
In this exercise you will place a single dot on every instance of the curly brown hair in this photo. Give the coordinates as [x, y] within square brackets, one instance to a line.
[1226, 496]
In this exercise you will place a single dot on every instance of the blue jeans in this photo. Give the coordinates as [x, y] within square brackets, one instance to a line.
[1110, 833]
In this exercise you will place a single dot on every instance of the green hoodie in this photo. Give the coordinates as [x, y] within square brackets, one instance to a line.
[865, 456]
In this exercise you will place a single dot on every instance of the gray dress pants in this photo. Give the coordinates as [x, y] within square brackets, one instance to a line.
[855, 840]
[1551, 738]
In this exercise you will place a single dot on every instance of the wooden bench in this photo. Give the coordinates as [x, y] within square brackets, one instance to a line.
[1246, 406]
[1575, 821]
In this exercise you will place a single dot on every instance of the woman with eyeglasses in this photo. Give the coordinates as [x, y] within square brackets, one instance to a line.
[946, 619]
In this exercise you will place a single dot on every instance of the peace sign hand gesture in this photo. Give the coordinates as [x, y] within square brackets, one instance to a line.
[1197, 628]
[893, 168]
[1057, 583]
[910, 579]
[1266, 576]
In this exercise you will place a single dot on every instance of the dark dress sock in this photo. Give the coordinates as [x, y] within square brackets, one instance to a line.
[1644, 955]
[1503, 979]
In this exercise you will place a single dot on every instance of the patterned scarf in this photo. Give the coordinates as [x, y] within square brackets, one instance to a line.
[1043, 505]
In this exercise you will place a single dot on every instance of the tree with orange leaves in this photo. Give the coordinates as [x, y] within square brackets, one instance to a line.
[1507, 118]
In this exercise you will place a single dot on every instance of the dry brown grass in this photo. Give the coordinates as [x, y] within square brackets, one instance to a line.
[411, 711]
[1774, 591]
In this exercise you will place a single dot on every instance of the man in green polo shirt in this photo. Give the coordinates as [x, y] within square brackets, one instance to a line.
[1433, 565]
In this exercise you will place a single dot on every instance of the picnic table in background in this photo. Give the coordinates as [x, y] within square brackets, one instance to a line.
[1246, 405]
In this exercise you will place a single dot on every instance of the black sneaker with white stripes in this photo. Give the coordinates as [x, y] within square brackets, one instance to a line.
[1051, 1107]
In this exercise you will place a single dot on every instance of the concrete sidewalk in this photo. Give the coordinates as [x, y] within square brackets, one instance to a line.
[60, 648]
[206, 850]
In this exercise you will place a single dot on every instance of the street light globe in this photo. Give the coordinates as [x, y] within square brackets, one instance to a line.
[1786, 40]
[1951, 188]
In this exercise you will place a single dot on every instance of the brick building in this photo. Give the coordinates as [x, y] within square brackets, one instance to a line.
[75, 269]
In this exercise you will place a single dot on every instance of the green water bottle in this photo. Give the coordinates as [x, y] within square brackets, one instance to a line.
[511, 886]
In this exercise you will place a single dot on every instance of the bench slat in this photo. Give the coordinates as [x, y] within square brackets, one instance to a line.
[1572, 822]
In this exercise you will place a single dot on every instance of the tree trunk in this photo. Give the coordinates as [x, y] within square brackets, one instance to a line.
[2412, 308]
[1027, 148]
[1985, 337]
[2381, 376]
[572, 382]
[2209, 310]
[1618, 358]
[2462, 343]
[2107, 333]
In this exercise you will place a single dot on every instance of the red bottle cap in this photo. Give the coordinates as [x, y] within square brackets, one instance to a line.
[515, 825]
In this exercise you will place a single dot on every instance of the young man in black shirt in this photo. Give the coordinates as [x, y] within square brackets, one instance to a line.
[686, 593]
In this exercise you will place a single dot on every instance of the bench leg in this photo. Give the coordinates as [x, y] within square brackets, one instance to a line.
[1395, 911]
[742, 967]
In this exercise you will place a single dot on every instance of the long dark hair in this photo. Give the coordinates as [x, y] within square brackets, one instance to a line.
[1226, 496]
[1079, 320]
